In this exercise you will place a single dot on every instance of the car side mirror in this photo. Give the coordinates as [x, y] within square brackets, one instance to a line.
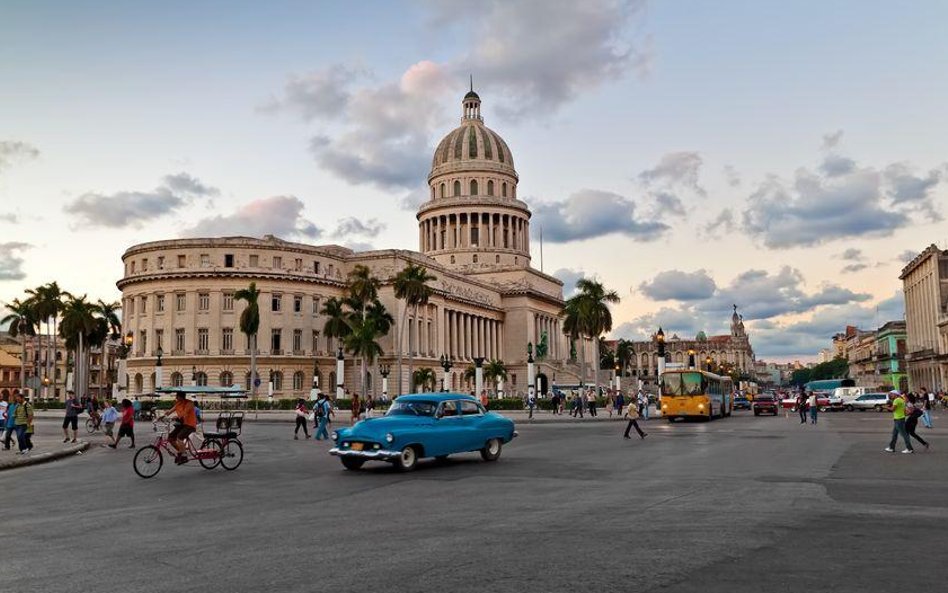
[439, 415]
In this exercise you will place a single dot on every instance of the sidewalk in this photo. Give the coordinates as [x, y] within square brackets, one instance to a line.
[46, 447]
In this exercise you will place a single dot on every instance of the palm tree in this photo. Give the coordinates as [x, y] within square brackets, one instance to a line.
[362, 287]
[361, 342]
[624, 354]
[379, 316]
[249, 325]
[337, 323]
[587, 315]
[424, 377]
[79, 324]
[22, 324]
[411, 285]
[108, 312]
[572, 315]
[47, 303]
[494, 370]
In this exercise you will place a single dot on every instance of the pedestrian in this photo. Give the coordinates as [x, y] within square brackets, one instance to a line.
[913, 411]
[110, 416]
[897, 407]
[632, 413]
[531, 403]
[927, 404]
[137, 408]
[555, 402]
[644, 405]
[485, 401]
[22, 418]
[812, 403]
[29, 424]
[369, 405]
[301, 417]
[127, 426]
[73, 408]
[356, 408]
[610, 403]
[4, 406]
[580, 404]
[620, 401]
[591, 399]
[94, 412]
[321, 412]
[801, 406]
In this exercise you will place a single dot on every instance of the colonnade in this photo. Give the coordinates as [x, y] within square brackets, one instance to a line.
[551, 326]
[474, 229]
[467, 336]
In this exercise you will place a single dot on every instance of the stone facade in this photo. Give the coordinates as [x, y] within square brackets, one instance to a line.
[925, 284]
[473, 236]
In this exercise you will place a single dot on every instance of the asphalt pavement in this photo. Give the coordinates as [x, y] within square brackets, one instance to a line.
[740, 504]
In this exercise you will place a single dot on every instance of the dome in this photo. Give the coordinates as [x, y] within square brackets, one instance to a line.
[472, 141]
[472, 95]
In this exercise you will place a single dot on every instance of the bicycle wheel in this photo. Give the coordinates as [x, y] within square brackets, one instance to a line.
[148, 461]
[211, 462]
[233, 454]
[90, 425]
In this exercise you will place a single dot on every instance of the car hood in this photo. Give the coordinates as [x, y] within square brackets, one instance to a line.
[386, 424]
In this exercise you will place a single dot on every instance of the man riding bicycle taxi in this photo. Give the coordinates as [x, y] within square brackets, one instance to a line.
[184, 410]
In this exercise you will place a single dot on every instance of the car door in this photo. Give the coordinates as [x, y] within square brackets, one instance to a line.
[447, 435]
[473, 420]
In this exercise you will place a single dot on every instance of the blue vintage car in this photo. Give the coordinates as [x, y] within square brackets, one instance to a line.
[424, 425]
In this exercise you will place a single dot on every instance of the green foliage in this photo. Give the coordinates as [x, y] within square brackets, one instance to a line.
[838, 368]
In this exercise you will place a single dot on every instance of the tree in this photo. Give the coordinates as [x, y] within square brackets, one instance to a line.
[22, 324]
[494, 370]
[572, 326]
[362, 287]
[607, 358]
[587, 314]
[624, 354]
[108, 312]
[361, 342]
[337, 323]
[250, 325]
[425, 378]
[411, 285]
[47, 302]
[78, 325]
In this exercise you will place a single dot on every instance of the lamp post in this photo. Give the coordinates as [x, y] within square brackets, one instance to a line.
[531, 376]
[707, 364]
[159, 371]
[270, 389]
[340, 373]
[618, 377]
[478, 375]
[691, 358]
[194, 375]
[385, 370]
[660, 337]
[446, 365]
[314, 392]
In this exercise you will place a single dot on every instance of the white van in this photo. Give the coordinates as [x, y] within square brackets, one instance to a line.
[848, 394]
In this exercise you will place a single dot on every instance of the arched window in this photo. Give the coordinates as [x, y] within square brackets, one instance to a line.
[153, 379]
[497, 259]
[475, 258]
[200, 378]
[176, 379]
[227, 379]
[319, 378]
[513, 191]
[503, 189]
[452, 259]
[432, 193]
[457, 188]
[490, 188]
[332, 380]
[368, 384]
[441, 191]
[678, 357]
[474, 187]
[645, 360]
[277, 381]
[298, 381]
[139, 383]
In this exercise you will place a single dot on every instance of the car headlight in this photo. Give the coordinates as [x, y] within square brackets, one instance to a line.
[700, 406]
[389, 438]
[334, 435]
[664, 406]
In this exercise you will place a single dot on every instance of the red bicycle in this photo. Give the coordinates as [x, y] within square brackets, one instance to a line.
[149, 460]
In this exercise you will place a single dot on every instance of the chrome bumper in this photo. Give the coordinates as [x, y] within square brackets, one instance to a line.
[382, 454]
[515, 435]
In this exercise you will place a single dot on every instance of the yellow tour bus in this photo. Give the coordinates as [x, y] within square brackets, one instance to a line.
[690, 393]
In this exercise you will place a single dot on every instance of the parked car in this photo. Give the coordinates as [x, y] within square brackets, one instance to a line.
[764, 403]
[424, 425]
[870, 401]
[824, 403]
[742, 403]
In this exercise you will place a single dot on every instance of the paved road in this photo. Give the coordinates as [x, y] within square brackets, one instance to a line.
[744, 504]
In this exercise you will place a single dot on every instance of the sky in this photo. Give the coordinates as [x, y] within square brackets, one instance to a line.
[787, 157]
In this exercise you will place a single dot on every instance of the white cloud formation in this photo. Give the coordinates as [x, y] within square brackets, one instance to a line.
[906, 256]
[723, 223]
[281, 216]
[832, 139]
[11, 260]
[15, 150]
[325, 93]
[676, 170]
[591, 213]
[852, 254]
[679, 286]
[352, 226]
[569, 277]
[133, 209]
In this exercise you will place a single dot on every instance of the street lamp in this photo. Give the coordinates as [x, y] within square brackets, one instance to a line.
[340, 373]
[531, 376]
[446, 365]
[384, 370]
[691, 358]
[159, 370]
[707, 364]
[618, 376]
[129, 340]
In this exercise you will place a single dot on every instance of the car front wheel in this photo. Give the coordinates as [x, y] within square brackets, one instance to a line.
[352, 463]
[491, 451]
[407, 460]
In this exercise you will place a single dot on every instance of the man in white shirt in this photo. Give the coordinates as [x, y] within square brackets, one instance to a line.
[3, 420]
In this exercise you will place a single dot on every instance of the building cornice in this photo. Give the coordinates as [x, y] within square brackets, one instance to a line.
[462, 202]
[918, 259]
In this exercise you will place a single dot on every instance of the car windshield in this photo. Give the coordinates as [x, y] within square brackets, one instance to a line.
[765, 398]
[412, 408]
[682, 384]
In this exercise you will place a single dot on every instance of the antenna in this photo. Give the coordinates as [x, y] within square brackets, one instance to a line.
[541, 248]
[472, 83]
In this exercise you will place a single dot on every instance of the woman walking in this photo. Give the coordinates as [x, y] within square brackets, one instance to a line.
[914, 411]
[813, 403]
[632, 413]
[301, 415]
[356, 408]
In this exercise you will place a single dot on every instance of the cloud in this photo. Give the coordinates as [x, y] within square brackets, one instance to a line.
[11, 260]
[135, 208]
[906, 256]
[679, 286]
[569, 277]
[832, 139]
[683, 321]
[281, 216]
[905, 187]
[852, 254]
[676, 170]
[723, 222]
[353, 226]
[834, 165]
[732, 176]
[589, 214]
[321, 94]
[9, 217]
[14, 150]
[358, 246]
[853, 268]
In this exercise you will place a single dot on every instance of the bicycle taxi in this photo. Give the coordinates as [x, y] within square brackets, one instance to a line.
[221, 446]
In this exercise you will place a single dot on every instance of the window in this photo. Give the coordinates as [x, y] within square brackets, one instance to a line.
[142, 342]
[475, 236]
[457, 190]
[496, 259]
[490, 188]
[131, 306]
[449, 408]
[228, 260]
[297, 341]
[161, 262]
[227, 379]
[179, 340]
[202, 340]
[145, 264]
[277, 378]
[503, 189]
[469, 408]
[200, 379]
[276, 339]
[299, 264]
[330, 270]
[177, 380]
[315, 267]
[159, 340]
[276, 303]
[475, 258]
[297, 304]
[133, 267]
[227, 339]
[205, 260]
[315, 341]
[254, 261]
[182, 261]
[160, 303]
[228, 301]
[139, 383]
[315, 305]
[452, 259]
[180, 304]
[143, 305]
[473, 188]
[441, 191]
[204, 301]
[298, 381]
[277, 262]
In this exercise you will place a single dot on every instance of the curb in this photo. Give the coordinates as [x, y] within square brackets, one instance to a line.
[23, 461]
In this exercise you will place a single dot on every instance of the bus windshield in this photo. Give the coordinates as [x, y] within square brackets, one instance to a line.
[682, 384]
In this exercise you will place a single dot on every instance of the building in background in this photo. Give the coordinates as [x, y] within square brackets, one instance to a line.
[889, 356]
[925, 283]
